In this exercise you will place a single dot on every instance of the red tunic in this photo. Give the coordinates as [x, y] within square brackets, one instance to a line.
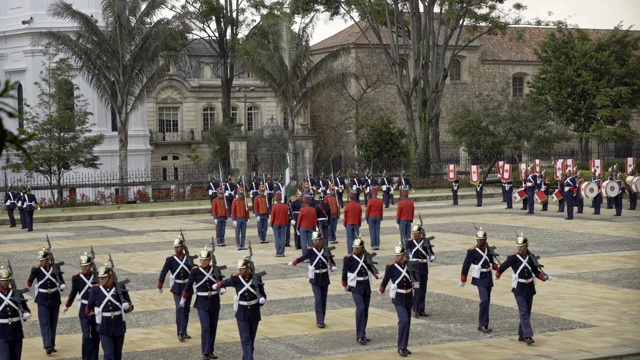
[239, 209]
[405, 210]
[333, 203]
[374, 208]
[353, 213]
[307, 218]
[260, 205]
[279, 214]
[219, 208]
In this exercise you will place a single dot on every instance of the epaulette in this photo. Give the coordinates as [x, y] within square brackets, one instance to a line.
[76, 274]
[194, 267]
[96, 285]
[37, 267]
[472, 248]
[514, 254]
[235, 274]
[350, 255]
[390, 263]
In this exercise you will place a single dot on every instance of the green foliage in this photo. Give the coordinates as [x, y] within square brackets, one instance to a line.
[8, 111]
[218, 140]
[382, 140]
[62, 139]
[497, 126]
[591, 84]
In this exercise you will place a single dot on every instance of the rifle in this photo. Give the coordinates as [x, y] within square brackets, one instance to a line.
[18, 294]
[534, 259]
[190, 258]
[256, 278]
[368, 258]
[244, 188]
[217, 273]
[119, 285]
[492, 251]
[427, 240]
[94, 268]
[57, 272]
[410, 264]
[224, 198]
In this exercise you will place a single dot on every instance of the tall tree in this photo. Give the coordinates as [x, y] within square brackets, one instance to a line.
[121, 57]
[590, 83]
[280, 58]
[496, 126]
[382, 143]
[421, 38]
[60, 125]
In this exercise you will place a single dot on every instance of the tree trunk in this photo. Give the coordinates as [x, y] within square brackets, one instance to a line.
[584, 149]
[434, 138]
[123, 146]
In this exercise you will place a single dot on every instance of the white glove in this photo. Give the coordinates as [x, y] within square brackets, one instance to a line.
[222, 291]
[290, 263]
[159, 291]
[235, 223]
[262, 300]
[62, 287]
[398, 226]
[126, 306]
[461, 284]
[65, 309]
[345, 288]
[378, 276]
[26, 316]
[257, 218]
[416, 285]
[432, 257]
[247, 221]
[38, 209]
[549, 277]
[183, 301]
[293, 222]
[334, 268]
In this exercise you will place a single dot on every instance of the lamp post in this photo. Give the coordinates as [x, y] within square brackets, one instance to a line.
[244, 92]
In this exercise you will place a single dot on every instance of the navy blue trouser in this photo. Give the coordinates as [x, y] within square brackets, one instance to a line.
[320, 294]
[48, 318]
[404, 325]
[485, 301]
[454, 194]
[248, 331]
[182, 313]
[531, 191]
[362, 312]
[597, 204]
[28, 214]
[11, 349]
[385, 198]
[420, 294]
[23, 218]
[90, 336]
[374, 231]
[112, 346]
[568, 198]
[12, 219]
[209, 327]
[524, 309]
[221, 227]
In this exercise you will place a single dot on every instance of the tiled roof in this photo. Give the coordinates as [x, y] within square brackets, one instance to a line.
[350, 36]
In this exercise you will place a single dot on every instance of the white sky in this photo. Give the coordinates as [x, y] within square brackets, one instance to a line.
[596, 14]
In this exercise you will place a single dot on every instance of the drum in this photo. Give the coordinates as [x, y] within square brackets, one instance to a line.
[384, 187]
[629, 180]
[540, 197]
[519, 195]
[610, 188]
[589, 190]
[635, 184]
[557, 196]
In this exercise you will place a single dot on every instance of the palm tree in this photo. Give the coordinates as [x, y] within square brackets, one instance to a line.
[120, 59]
[281, 59]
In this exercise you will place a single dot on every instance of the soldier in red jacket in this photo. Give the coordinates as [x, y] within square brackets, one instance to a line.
[279, 221]
[261, 209]
[332, 200]
[240, 216]
[404, 216]
[373, 216]
[307, 219]
[220, 216]
[352, 219]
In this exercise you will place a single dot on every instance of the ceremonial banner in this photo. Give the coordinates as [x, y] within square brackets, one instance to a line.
[629, 164]
[559, 169]
[523, 168]
[507, 173]
[474, 174]
[287, 181]
[500, 167]
[451, 172]
[568, 163]
[596, 165]
[537, 167]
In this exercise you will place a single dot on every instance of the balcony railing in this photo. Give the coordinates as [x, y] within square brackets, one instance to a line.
[175, 137]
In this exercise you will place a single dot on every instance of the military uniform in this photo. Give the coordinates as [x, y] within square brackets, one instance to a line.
[404, 216]
[543, 185]
[240, 216]
[178, 266]
[561, 188]
[569, 186]
[294, 211]
[578, 200]
[23, 216]
[49, 283]
[386, 183]
[262, 210]
[420, 254]
[332, 201]
[508, 188]
[307, 221]
[229, 192]
[455, 185]
[369, 183]
[279, 221]
[13, 312]
[352, 220]
[355, 279]
[323, 217]
[401, 292]
[633, 196]
[479, 191]
[203, 280]
[254, 191]
[617, 200]
[597, 200]
[340, 186]
[374, 216]
[270, 190]
[220, 215]
[81, 284]
[29, 203]
[531, 184]
[320, 264]
[212, 188]
[10, 201]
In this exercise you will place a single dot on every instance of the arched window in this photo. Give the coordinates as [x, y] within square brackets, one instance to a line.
[168, 119]
[208, 117]
[114, 120]
[517, 86]
[285, 120]
[253, 117]
[20, 107]
[234, 114]
[454, 72]
[66, 87]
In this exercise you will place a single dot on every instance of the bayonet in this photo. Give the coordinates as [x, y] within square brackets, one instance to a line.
[190, 258]
[94, 268]
[119, 285]
[57, 271]
[217, 270]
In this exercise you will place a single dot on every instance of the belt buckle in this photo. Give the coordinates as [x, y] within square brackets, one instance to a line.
[112, 314]
[48, 291]
[10, 320]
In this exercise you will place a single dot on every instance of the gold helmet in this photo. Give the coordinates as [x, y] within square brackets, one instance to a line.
[481, 234]
[204, 254]
[104, 271]
[43, 254]
[416, 229]
[178, 242]
[522, 241]
[245, 262]
[4, 274]
[358, 243]
[85, 259]
[399, 250]
[316, 235]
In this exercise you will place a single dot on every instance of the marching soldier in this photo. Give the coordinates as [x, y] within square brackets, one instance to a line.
[307, 221]
[356, 185]
[220, 215]
[323, 217]
[387, 188]
[279, 221]
[261, 210]
[613, 173]
[13, 312]
[255, 190]
[270, 190]
[320, 263]
[531, 184]
[525, 201]
[203, 280]
[352, 219]
[401, 293]
[23, 216]
[250, 296]
[229, 191]
[279, 186]
[323, 186]
[597, 200]
[240, 217]
[294, 210]
[569, 186]
[543, 185]
[523, 284]
[480, 260]
[212, 188]
[110, 306]
[373, 216]
[81, 284]
[340, 186]
[10, 200]
[508, 189]
[617, 200]
[332, 201]
[404, 215]
[49, 283]
[455, 185]
[479, 190]
[29, 203]
[561, 189]
[578, 200]
[404, 181]
[355, 279]
[633, 196]
[369, 183]
[420, 254]
[178, 267]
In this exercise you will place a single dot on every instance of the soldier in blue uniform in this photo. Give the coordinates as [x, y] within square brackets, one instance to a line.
[13, 312]
[178, 266]
[320, 264]
[357, 185]
[270, 189]
[543, 185]
[386, 183]
[29, 203]
[617, 200]
[404, 180]
[612, 176]
[401, 293]
[455, 185]
[49, 283]
[81, 284]
[479, 190]
[250, 296]
[480, 260]
[229, 191]
[569, 185]
[212, 186]
[597, 200]
[10, 201]
[322, 187]
[420, 254]
[561, 188]
[355, 279]
[254, 189]
[23, 216]
[323, 217]
[339, 183]
[294, 210]
[531, 185]
[110, 307]
[203, 280]
[368, 183]
[523, 285]
[633, 196]
[508, 189]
